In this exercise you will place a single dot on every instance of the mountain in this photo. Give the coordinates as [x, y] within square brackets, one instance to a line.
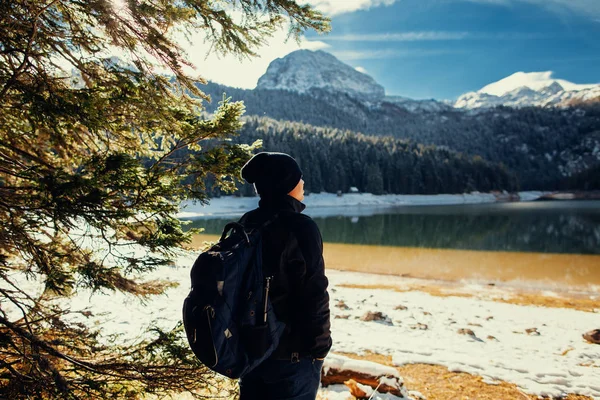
[543, 146]
[523, 89]
[303, 70]
[533, 80]
[321, 74]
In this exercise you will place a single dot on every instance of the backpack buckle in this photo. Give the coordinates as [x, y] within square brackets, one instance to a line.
[295, 358]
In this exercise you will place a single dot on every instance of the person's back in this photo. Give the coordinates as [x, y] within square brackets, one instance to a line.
[293, 251]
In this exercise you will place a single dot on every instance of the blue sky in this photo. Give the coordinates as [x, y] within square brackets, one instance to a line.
[443, 48]
[433, 48]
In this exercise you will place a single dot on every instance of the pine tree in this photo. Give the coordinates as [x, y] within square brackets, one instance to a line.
[96, 156]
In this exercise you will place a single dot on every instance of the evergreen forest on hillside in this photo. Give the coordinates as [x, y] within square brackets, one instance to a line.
[545, 148]
[334, 160]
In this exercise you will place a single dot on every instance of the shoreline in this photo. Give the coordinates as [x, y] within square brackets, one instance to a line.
[519, 272]
[362, 204]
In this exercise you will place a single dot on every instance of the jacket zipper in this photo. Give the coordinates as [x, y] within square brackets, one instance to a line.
[267, 288]
[210, 313]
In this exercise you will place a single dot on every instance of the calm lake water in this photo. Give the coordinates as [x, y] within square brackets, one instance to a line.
[571, 227]
[556, 242]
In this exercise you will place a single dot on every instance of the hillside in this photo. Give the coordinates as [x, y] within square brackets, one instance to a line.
[544, 147]
[335, 160]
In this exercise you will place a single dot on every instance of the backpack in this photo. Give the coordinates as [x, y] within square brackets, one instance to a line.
[228, 318]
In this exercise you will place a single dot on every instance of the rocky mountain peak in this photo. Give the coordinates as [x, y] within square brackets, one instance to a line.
[303, 70]
[553, 88]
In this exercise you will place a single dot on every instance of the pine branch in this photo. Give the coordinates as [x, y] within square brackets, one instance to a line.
[34, 31]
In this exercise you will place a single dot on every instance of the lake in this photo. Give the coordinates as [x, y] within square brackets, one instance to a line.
[543, 242]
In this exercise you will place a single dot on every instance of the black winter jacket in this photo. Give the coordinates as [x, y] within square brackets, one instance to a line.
[293, 252]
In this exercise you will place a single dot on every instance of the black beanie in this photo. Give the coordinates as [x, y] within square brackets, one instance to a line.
[272, 173]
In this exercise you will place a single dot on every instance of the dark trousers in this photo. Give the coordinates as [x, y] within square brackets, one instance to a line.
[282, 380]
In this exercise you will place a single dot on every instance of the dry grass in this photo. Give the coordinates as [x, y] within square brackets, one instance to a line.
[437, 383]
[529, 299]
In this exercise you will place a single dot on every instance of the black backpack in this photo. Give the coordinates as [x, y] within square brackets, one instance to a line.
[228, 318]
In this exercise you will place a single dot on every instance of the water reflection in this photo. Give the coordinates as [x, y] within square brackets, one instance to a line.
[564, 227]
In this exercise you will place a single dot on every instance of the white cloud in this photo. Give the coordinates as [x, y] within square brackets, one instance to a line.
[350, 55]
[418, 36]
[400, 37]
[361, 70]
[313, 45]
[337, 7]
[586, 7]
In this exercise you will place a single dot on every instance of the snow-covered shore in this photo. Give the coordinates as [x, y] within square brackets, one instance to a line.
[539, 349]
[551, 360]
[352, 204]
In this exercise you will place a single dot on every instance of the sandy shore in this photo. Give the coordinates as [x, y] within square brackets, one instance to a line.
[572, 276]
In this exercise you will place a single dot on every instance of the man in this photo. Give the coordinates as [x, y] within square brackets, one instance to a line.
[293, 251]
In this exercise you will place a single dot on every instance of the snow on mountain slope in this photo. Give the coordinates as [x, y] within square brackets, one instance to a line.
[523, 89]
[303, 70]
[533, 80]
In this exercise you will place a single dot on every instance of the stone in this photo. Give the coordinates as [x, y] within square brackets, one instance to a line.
[592, 336]
[400, 307]
[464, 331]
[373, 316]
[420, 326]
[532, 332]
[340, 304]
[490, 337]
[343, 316]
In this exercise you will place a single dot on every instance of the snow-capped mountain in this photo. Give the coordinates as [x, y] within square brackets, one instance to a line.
[305, 71]
[322, 75]
[523, 89]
